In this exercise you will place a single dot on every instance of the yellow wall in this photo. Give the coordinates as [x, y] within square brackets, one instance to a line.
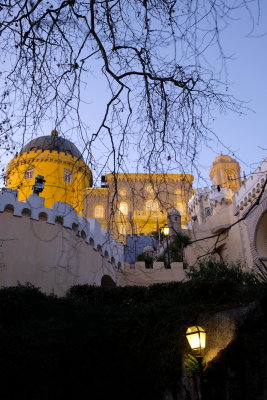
[52, 165]
[168, 191]
[223, 168]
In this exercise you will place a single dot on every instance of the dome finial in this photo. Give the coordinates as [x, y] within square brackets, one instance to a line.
[54, 132]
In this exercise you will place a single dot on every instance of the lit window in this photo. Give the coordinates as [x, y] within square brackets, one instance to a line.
[149, 189]
[67, 176]
[152, 205]
[123, 207]
[230, 175]
[122, 192]
[122, 229]
[99, 211]
[28, 174]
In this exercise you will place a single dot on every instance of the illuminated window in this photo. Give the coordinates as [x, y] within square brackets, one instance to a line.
[67, 176]
[152, 205]
[149, 189]
[122, 229]
[123, 207]
[28, 174]
[99, 211]
[123, 192]
[230, 175]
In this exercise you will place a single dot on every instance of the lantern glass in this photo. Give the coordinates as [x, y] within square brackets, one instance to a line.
[166, 230]
[196, 337]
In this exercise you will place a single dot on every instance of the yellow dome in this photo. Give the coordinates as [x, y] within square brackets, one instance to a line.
[61, 164]
[224, 159]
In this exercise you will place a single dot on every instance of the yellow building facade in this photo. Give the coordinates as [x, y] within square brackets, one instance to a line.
[59, 162]
[129, 203]
[124, 204]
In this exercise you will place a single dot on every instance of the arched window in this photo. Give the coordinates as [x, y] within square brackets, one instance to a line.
[99, 211]
[149, 189]
[28, 174]
[122, 229]
[59, 220]
[152, 205]
[123, 192]
[230, 175]
[67, 175]
[123, 207]
[9, 208]
[26, 212]
[43, 216]
[261, 236]
[107, 282]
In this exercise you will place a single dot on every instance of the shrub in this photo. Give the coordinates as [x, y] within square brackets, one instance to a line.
[211, 272]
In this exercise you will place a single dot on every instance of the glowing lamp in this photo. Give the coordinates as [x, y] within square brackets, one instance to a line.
[166, 230]
[196, 337]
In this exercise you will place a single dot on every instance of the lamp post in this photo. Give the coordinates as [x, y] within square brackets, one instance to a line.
[166, 231]
[196, 337]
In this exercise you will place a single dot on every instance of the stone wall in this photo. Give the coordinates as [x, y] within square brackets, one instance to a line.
[53, 249]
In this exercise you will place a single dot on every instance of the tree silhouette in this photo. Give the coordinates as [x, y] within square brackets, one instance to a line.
[154, 57]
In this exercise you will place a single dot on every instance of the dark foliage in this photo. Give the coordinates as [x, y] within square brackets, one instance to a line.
[125, 343]
[209, 271]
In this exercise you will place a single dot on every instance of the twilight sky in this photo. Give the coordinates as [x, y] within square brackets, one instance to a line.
[243, 137]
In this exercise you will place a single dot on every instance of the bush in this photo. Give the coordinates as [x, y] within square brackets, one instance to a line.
[210, 271]
[147, 259]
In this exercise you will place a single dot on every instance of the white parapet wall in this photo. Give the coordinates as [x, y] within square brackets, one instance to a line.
[250, 189]
[142, 276]
[53, 249]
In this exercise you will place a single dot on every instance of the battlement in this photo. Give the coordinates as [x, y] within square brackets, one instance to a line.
[250, 189]
[89, 230]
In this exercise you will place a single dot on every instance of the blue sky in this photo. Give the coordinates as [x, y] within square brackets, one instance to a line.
[245, 136]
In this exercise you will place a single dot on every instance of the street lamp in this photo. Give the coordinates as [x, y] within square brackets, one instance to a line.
[166, 231]
[196, 337]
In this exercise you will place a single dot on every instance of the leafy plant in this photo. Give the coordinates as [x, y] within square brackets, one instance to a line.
[177, 245]
[147, 259]
[191, 364]
[210, 271]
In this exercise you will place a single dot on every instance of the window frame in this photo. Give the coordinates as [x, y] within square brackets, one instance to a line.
[98, 207]
[68, 173]
[29, 172]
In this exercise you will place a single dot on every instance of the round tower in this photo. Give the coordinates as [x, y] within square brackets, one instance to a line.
[174, 221]
[225, 172]
[60, 163]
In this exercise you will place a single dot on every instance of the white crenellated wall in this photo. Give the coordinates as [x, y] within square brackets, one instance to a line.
[250, 189]
[88, 229]
[53, 249]
[207, 198]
